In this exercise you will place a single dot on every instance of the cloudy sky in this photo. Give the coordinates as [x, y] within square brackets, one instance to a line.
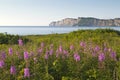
[42, 12]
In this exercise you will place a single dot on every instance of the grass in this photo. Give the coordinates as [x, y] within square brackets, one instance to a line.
[62, 65]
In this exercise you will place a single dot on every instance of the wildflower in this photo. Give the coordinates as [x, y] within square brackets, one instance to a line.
[26, 72]
[105, 49]
[101, 57]
[31, 54]
[82, 44]
[71, 47]
[3, 55]
[57, 53]
[40, 50]
[60, 48]
[42, 44]
[65, 52]
[10, 51]
[97, 48]
[26, 56]
[20, 42]
[51, 51]
[113, 55]
[76, 57]
[2, 63]
[93, 54]
[12, 70]
[46, 55]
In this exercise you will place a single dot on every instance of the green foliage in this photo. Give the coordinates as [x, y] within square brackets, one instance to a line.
[63, 67]
[10, 39]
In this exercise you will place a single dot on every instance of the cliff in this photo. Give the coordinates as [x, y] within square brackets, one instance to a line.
[89, 21]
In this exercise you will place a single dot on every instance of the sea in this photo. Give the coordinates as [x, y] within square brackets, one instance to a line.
[44, 30]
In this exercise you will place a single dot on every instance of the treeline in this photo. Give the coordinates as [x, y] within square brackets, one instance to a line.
[11, 39]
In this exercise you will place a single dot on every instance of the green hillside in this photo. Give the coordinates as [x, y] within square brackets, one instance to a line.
[79, 55]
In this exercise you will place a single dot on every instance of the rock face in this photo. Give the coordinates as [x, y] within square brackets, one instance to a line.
[89, 21]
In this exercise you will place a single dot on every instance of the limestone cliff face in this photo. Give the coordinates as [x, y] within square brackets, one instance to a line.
[82, 21]
[65, 22]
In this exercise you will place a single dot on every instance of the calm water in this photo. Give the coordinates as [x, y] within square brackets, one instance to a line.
[33, 30]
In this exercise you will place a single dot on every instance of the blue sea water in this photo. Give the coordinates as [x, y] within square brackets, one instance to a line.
[43, 30]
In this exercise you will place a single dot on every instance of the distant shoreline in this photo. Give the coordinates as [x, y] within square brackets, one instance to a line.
[86, 21]
[21, 30]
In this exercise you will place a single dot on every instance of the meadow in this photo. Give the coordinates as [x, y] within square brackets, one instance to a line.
[78, 55]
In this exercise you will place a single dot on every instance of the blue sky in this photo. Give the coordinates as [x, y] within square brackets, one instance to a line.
[42, 12]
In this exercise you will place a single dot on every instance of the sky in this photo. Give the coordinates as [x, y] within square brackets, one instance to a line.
[42, 12]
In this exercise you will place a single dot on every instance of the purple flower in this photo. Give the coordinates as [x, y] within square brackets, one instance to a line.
[26, 56]
[40, 50]
[57, 53]
[47, 55]
[76, 57]
[71, 47]
[2, 63]
[20, 42]
[105, 49]
[18, 55]
[65, 52]
[12, 70]
[3, 55]
[51, 51]
[26, 72]
[60, 48]
[82, 44]
[101, 57]
[31, 54]
[113, 55]
[93, 54]
[10, 51]
[97, 48]
[42, 44]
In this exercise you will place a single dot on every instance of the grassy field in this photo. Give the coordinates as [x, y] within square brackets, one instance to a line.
[79, 55]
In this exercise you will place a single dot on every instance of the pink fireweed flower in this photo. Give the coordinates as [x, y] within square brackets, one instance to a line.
[101, 57]
[47, 55]
[10, 51]
[93, 54]
[18, 55]
[82, 44]
[60, 48]
[31, 54]
[76, 57]
[26, 55]
[71, 47]
[26, 72]
[113, 55]
[2, 63]
[3, 55]
[65, 52]
[51, 51]
[40, 50]
[97, 48]
[57, 53]
[42, 44]
[20, 42]
[12, 70]
[105, 49]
